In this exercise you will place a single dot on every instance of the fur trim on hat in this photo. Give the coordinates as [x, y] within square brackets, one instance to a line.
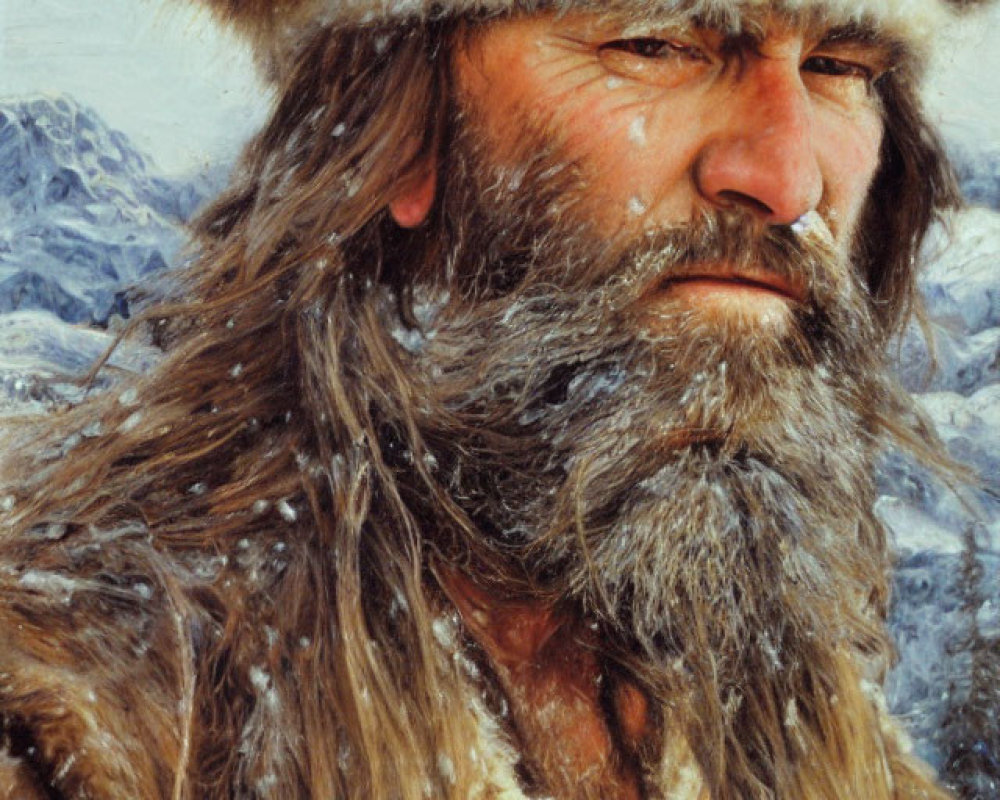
[275, 26]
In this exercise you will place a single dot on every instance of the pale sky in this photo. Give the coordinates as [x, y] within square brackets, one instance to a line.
[187, 94]
[161, 72]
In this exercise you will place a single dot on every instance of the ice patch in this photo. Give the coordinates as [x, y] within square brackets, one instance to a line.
[636, 207]
[287, 511]
[637, 131]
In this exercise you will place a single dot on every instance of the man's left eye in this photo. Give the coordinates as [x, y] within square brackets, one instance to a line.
[838, 68]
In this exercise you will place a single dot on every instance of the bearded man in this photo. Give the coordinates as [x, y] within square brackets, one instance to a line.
[516, 430]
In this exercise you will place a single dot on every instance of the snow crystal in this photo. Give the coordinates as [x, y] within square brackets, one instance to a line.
[261, 506]
[208, 568]
[261, 682]
[7, 503]
[144, 590]
[443, 629]
[791, 714]
[770, 651]
[446, 767]
[410, 339]
[130, 422]
[259, 678]
[52, 583]
[988, 619]
[636, 207]
[52, 531]
[64, 769]
[70, 442]
[287, 511]
[343, 755]
[236, 371]
[399, 602]
[338, 130]
[637, 131]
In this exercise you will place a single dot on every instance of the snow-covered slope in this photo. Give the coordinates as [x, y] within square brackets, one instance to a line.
[978, 165]
[937, 609]
[41, 358]
[82, 213]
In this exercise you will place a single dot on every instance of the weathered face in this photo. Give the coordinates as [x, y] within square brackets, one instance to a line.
[666, 121]
[645, 365]
[650, 378]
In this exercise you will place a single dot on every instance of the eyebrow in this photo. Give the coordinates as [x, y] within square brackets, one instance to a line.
[750, 30]
[866, 36]
[891, 49]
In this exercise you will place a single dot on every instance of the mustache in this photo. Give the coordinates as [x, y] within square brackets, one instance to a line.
[800, 260]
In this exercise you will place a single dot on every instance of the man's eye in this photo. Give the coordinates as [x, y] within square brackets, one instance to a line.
[837, 68]
[664, 62]
[651, 47]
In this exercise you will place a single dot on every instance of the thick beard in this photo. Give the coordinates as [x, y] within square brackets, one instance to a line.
[701, 489]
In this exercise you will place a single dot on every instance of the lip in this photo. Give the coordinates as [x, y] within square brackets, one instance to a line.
[700, 282]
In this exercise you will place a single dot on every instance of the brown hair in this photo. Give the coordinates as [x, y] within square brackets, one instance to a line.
[254, 455]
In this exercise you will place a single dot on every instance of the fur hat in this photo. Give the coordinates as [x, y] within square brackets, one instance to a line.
[275, 26]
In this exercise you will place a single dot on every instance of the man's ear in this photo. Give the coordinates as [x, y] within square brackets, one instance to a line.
[413, 203]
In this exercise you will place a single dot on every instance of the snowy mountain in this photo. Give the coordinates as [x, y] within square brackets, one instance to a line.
[976, 160]
[82, 213]
[946, 612]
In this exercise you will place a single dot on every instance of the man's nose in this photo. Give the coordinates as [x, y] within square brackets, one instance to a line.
[763, 158]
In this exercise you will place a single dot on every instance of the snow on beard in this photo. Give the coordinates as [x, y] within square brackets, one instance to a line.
[701, 485]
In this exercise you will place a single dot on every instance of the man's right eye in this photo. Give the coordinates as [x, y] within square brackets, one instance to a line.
[651, 47]
[653, 60]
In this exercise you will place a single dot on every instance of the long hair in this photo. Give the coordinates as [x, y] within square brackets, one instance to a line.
[257, 467]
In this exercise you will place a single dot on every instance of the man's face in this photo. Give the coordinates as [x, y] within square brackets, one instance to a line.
[665, 121]
[647, 381]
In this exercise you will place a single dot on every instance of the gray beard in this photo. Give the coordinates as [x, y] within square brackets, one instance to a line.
[702, 495]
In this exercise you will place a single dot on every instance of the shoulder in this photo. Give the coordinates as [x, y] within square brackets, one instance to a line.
[92, 695]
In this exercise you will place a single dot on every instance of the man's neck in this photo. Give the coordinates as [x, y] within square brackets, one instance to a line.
[576, 727]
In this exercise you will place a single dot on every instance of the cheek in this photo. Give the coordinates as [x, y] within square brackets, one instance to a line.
[633, 153]
[850, 160]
